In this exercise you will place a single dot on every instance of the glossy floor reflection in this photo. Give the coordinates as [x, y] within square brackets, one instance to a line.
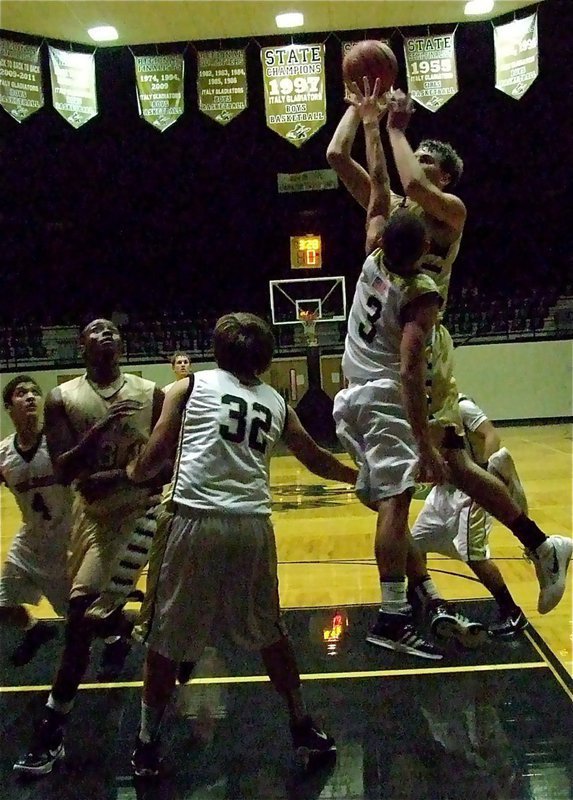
[494, 723]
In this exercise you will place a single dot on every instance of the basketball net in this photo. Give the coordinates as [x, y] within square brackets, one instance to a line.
[309, 319]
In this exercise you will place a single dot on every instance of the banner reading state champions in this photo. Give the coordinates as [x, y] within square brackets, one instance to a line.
[295, 98]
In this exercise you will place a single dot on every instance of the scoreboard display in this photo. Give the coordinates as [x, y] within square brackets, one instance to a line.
[306, 252]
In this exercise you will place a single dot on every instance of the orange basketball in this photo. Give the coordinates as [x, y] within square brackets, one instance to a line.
[372, 59]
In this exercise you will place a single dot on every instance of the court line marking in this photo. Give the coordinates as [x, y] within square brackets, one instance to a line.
[310, 676]
[551, 666]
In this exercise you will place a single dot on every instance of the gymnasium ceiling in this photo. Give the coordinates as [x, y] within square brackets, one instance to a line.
[154, 21]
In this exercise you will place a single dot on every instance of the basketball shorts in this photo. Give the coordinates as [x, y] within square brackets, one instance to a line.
[443, 405]
[30, 573]
[219, 573]
[372, 426]
[156, 554]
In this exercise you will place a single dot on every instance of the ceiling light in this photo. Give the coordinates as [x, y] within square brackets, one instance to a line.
[478, 7]
[103, 33]
[293, 19]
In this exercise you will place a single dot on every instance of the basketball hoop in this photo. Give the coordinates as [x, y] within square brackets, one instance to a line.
[309, 319]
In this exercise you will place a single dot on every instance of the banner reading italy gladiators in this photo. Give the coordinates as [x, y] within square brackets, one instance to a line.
[516, 56]
[159, 83]
[222, 83]
[21, 91]
[73, 85]
[431, 69]
[295, 100]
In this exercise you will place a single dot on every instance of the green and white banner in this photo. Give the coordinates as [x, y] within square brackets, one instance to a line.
[159, 83]
[516, 56]
[295, 97]
[222, 83]
[431, 69]
[73, 85]
[21, 92]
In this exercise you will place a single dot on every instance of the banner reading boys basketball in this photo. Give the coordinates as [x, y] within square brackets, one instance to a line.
[222, 83]
[73, 85]
[431, 69]
[21, 91]
[159, 85]
[295, 98]
[516, 56]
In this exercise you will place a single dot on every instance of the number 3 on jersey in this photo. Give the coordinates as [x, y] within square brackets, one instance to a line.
[39, 505]
[369, 332]
[258, 422]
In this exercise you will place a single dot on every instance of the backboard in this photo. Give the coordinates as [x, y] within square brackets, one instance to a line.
[325, 297]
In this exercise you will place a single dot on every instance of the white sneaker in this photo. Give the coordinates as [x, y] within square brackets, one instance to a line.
[551, 560]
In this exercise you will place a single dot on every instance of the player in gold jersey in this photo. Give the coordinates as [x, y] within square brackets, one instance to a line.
[94, 426]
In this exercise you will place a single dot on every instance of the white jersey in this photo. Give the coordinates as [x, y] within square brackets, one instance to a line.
[45, 504]
[372, 346]
[227, 436]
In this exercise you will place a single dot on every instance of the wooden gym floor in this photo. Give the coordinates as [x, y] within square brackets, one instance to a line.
[494, 722]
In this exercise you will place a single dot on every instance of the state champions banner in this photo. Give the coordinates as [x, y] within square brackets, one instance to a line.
[431, 69]
[73, 85]
[222, 83]
[21, 92]
[295, 97]
[516, 56]
[159, 87]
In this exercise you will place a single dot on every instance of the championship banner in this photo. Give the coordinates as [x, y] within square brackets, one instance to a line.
[21, 92]
[346, 46]
[222, 83]
[159, 86]
[516, 56]
[431, 69]
[295, 98]
[73, 85]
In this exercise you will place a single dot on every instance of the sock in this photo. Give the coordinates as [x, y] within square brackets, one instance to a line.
[426, 590]
[393, 595]
[505, 601]
[112, 639]
[62, 708]
[151, 718]
[527, 532]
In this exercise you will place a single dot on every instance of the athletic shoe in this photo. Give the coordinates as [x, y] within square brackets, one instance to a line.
[184, 672]
[445, 623]
[310, 742]
[396, 632]
[47, 747]
[33, 639]
[113, 659]
[551, 566]
[145, 759]
[509, 624]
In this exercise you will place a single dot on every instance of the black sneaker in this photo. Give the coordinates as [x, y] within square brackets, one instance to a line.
[509, 624]
[47, 747]
[445, 623]
[113, 659]
[41, 633]
[310, 742]
[396, 632]
[145, 759]
[184, 672]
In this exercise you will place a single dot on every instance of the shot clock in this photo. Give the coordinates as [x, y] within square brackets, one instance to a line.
[306, 251]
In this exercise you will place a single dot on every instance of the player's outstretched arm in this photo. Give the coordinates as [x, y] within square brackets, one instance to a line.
[162, 443]
[444, 207]
[339, 156]
[315, 458]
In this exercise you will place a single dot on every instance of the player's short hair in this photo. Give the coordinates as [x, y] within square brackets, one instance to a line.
[243, 343]
[449, 161]
[404, 239]
[11, 386]
[177, 355]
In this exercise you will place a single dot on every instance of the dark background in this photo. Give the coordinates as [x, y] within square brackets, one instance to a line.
[118, 215]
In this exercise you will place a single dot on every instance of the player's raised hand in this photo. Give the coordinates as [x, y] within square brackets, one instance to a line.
[400, 110]
[370, 104]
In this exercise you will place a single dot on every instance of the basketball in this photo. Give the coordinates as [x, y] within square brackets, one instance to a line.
[372, 59]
